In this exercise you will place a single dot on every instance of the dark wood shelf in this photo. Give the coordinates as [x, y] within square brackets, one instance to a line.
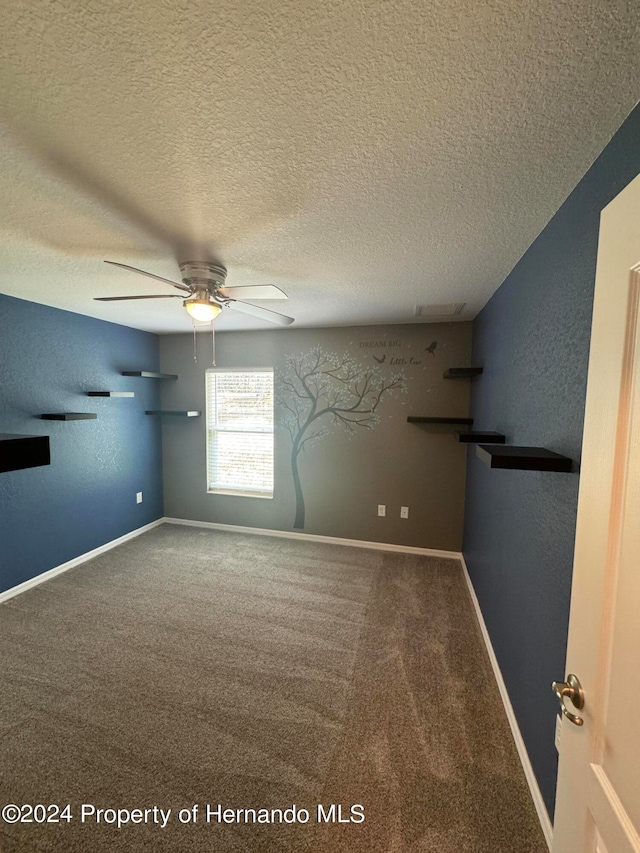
[110, 394]
[523, 458]
[18, 452]
[413, 419]
[148, 374]
[69, 416]
[482, 437]
[188, 414]
[462, 372]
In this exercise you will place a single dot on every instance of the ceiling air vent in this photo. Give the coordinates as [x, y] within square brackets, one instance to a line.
[450, 310]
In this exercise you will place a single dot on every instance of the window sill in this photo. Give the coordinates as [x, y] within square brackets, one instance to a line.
[241, 494]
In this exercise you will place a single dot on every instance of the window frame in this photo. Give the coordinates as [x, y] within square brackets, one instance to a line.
[244, 493]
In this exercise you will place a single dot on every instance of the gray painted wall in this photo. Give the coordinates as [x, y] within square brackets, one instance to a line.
[344, 478]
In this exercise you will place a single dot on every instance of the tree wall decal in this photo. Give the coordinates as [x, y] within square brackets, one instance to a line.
[321, 391]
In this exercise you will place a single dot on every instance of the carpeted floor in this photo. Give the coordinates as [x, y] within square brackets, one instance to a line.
[193, 667]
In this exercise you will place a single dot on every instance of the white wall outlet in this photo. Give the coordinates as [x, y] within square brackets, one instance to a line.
[558, 732]
[382, 509]
[138, 497]
[404, 512]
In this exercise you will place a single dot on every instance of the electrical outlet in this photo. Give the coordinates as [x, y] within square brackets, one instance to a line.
[404, 512]
[558, 732]
[382, 509]
[138, 497]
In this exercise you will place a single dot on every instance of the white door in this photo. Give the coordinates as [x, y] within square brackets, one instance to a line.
[598, 804]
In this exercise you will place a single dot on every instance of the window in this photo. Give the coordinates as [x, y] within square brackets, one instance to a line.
[240, 432]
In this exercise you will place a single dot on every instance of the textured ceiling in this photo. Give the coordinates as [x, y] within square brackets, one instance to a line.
[364, 156]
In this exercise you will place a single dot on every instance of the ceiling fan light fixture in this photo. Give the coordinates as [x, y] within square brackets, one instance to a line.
[202, 310]
[204, 282]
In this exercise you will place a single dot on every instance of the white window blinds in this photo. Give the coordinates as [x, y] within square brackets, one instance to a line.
[240, 432]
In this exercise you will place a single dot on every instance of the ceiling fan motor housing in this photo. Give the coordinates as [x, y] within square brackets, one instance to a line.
[202, 275]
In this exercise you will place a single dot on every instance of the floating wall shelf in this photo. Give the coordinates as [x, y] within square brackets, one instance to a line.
[23, 451]
[482, 437]
[177, 414]
[523, 458]
[462, 372]
[460, 421]
[110, 394]
[69, 416]
[147, 374]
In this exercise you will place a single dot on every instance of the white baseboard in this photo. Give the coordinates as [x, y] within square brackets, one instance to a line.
[538, 802]
[313, 537]
[58, 570]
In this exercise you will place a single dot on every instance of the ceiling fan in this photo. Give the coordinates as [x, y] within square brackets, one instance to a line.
[204, 282]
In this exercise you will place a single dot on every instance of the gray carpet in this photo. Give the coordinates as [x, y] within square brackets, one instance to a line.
[191, 666]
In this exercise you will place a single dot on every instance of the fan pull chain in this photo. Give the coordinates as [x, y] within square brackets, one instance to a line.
[213, 342]
[195, 356]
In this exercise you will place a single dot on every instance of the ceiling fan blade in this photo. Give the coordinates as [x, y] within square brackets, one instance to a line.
[150, 274]
[254, 291]
[262, 313]
[120, 298]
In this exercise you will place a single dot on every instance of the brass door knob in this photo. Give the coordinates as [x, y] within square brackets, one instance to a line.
[570, 689]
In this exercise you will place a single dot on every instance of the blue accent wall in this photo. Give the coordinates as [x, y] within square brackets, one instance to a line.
[532, 338]
[86, 497]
